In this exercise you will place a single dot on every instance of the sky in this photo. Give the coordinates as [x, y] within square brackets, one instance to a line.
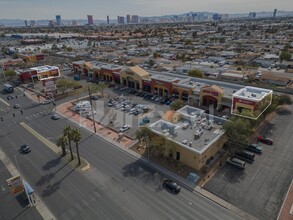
[79, 9]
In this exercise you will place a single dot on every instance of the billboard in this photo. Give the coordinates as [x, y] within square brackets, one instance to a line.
[15, 184]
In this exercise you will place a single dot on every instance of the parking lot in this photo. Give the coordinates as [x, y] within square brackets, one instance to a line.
[120, 107]
[262, 186]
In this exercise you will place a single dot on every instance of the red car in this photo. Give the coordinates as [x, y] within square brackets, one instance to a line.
[265, 140]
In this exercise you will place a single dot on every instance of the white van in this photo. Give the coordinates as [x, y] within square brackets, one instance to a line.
[83, 105]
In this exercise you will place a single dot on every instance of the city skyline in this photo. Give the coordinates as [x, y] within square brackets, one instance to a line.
[34, 9]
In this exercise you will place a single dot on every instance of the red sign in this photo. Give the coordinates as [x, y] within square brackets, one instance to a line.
[211, 92]
[244, 101]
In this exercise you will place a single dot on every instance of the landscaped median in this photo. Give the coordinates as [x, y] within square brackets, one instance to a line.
[84, 163]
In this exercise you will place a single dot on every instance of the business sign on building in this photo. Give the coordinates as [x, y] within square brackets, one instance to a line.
[211, 92]
[15, 184]
[244, 101]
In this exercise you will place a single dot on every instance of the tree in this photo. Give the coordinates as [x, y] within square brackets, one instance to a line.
[177, 104]
[62, 141]
[285, 99]
[142, 133]
[102, 86]
[195, 73]
[10, 73]
[63, 85]
[237, 130]
[94, 88]
[285, 55]
[156, 54]
[67, 131]
[76, 137]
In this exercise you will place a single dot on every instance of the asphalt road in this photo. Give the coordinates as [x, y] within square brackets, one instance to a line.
[116, 187]
[261, 188]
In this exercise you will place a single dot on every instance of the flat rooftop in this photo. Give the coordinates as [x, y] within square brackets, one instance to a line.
[195, 130]
[164, 78]
[254, 93]
[46, 68]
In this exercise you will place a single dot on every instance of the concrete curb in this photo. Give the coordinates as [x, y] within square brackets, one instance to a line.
[48, 143]
[40, 205]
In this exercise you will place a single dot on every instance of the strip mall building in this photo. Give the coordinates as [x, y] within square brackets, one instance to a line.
[189, 89]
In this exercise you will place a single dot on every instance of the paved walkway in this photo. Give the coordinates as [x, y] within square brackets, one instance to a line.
[286, 211]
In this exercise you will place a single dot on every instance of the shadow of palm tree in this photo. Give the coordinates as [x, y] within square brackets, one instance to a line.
[52, 163]
[52, 188]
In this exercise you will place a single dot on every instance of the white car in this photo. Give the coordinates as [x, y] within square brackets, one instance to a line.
[90, 114]
[124, 128]
[45, 102]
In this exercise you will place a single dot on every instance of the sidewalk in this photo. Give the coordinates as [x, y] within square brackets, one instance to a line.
[286, 211]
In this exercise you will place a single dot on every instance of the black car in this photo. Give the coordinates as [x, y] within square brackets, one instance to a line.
[24, 149]
[94, 97]
[171, 185]
[254, 148]
[10, 97]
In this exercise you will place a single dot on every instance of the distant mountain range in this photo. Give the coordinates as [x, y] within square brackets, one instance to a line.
[44, 22]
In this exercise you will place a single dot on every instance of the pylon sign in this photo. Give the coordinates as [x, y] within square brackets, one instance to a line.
[15, 184]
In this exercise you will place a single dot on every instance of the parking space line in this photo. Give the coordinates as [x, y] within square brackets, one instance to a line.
[6, 103]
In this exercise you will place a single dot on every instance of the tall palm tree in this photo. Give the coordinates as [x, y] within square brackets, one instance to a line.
[67, 131]
[76, 137]
[62, 141]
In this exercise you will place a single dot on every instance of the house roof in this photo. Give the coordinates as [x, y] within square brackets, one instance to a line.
[215, 88]
[139, 71]
[88, 65]
[271, 76]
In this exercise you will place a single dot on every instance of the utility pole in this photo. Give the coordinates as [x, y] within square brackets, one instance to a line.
[95, 129]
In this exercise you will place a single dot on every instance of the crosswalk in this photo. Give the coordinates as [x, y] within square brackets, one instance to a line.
[38, 114]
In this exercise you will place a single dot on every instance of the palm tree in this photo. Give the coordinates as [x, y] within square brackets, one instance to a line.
[62, 141]
[76, 137]
[67, 131]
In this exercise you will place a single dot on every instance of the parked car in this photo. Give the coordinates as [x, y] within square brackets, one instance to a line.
[265, 140]
[10, 97]
[171, 185]
[55, 117]
[24, 149]
[91, 113]
[236, 163]
[168, 102]
[254, 148]
[245, 155]
[94, 97]
[16, 106]
[124, 128]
